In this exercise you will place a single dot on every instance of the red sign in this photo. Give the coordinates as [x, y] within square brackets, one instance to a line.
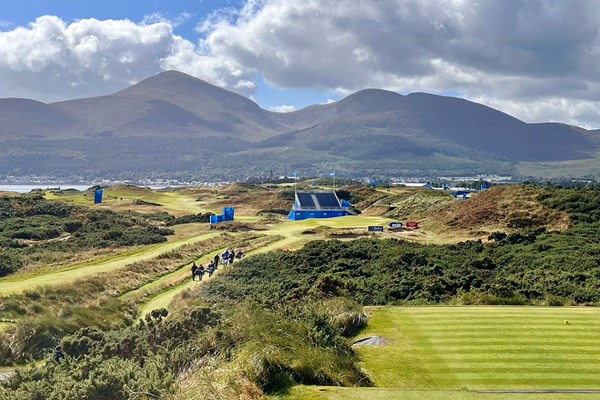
[412, 225]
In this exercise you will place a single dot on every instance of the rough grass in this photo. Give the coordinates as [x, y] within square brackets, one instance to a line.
[19, 284]
[410, 204]
[4, 326]
[500, 208]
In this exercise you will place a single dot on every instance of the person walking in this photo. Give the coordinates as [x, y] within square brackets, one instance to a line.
[58, 354]
[225, 258]
[200, 272]
[194, 270]
[217, 259]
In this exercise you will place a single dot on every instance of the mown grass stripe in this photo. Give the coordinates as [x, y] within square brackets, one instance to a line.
[522, 358]
[516, 348]
[520, 341]
[509, 347]
[520, 369]
[340, 393]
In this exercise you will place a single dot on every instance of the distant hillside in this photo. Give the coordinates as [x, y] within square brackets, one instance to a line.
[173, 103]
[20, 118]
[422, 123]
[176, 125]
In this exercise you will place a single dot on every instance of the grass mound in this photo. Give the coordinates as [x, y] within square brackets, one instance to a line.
[415, 204]
[500, 208]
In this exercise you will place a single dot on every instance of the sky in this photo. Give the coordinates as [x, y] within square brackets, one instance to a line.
[537, 60]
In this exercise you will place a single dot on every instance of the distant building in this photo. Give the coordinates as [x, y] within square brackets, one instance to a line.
[319, 205]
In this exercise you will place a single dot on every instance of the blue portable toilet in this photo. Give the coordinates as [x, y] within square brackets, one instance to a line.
[98, 196]
[228, 214]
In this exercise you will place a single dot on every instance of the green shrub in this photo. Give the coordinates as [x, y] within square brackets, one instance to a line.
[187, 219]
[278, 211]
[9, 262]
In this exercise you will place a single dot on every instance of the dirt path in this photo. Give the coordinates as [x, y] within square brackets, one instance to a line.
[164, 298]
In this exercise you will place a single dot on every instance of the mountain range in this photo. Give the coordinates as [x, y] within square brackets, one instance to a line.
[175, 125]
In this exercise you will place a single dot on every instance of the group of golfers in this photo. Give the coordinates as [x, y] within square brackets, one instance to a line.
[225, 259]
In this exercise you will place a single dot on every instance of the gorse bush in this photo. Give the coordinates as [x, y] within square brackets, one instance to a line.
[269, 347]
[186, 219]
[278, 211]
[31, 225]
[583, 205]
[9, 262]
[531, 266]
[92, 378]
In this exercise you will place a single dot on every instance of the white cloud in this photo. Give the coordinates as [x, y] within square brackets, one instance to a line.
[175, 21]
[52, 60]
[282, 108]
[534, 59]
[536, 53]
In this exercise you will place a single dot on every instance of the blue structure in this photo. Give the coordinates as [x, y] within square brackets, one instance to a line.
[318, 205]
[462, 194]
[228, 215]
[98, 196]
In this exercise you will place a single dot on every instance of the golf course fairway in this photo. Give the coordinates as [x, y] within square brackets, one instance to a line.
[453, 352]
[19, 284]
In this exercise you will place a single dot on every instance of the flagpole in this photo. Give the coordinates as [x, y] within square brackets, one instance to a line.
[334, 181]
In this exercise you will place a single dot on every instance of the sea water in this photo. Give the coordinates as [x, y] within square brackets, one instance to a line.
[29, 188]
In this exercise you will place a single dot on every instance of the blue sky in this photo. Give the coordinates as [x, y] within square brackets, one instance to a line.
[24, 11]
[534, 59]
[188, 14]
